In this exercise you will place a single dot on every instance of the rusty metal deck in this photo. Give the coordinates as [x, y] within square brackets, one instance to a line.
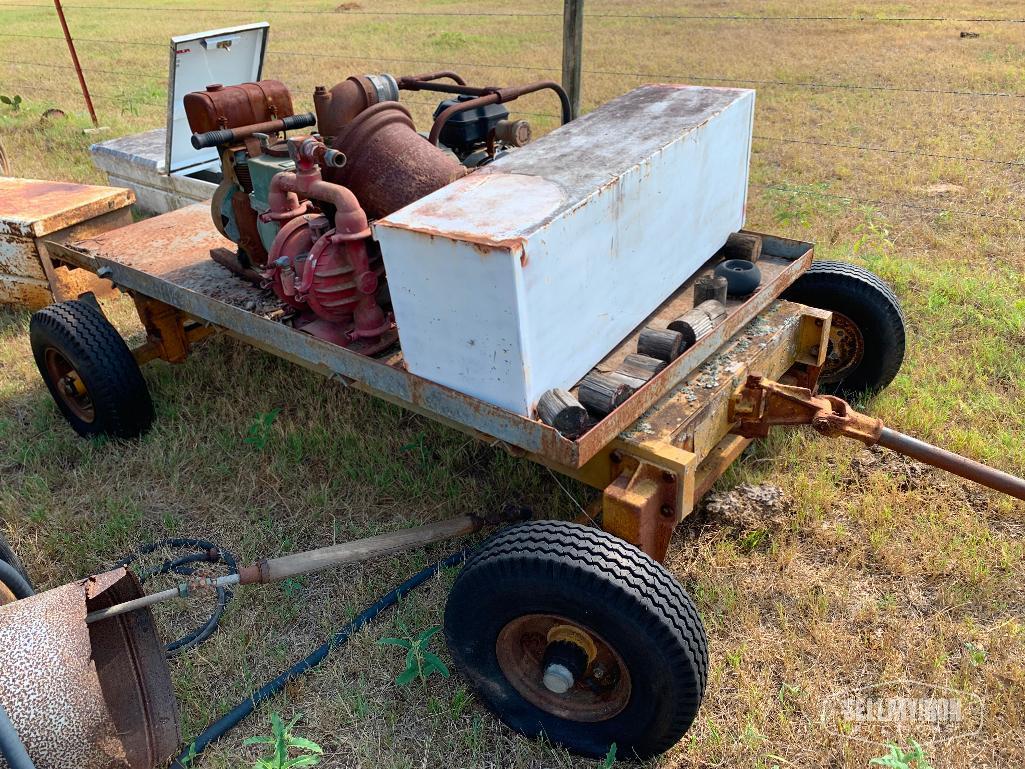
[167, 258]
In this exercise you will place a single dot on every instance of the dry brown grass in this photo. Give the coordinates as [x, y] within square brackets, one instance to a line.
[870, 571]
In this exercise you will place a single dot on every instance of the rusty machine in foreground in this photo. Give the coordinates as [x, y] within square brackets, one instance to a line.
[587, 301]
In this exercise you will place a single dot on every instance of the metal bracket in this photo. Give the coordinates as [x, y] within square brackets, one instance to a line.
[651, 495]
[170, 333]
[761, 403]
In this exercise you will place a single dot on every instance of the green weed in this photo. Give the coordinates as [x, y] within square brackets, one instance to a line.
[260, 429]
[420, 663]
[898, 758]
[282, 743]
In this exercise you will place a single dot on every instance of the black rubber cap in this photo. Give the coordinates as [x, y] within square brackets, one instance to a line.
[742, 276]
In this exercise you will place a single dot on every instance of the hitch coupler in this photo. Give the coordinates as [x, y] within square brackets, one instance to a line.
[761, 403]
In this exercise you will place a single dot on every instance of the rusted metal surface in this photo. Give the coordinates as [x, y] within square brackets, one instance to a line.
[641, 505]
[603, 689]
[220, 107]
[687, 433]
[777, 274]
[170, 333]
[761, 403]
[34, 208]
[96, 697]
[336, 108]
[1003, 482]
[389, 164]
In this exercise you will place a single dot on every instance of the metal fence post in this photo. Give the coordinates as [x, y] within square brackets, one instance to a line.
[572, 50]
[74, 59]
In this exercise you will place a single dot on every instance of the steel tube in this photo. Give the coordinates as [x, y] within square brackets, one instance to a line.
[953, 463]
[276, 569]
[181, 591]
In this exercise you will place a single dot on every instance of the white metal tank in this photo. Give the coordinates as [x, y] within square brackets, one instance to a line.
[523, 275]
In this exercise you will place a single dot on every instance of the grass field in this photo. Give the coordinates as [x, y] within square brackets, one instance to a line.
[868, 569]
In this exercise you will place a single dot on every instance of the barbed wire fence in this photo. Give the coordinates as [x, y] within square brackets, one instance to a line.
[65, 73]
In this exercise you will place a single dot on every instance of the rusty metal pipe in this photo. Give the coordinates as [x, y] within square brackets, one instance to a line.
[412, 82]
[952, 463]
[480, 101]
[487, 96]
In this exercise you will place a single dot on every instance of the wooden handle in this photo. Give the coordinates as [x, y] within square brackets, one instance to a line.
[277, 569]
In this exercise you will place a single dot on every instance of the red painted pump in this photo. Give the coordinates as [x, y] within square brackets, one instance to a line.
[305, 233]
[333, 271]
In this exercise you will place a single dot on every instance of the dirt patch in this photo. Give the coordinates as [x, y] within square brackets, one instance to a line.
[748, 507]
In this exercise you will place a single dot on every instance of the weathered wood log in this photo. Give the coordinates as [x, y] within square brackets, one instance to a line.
[601, 393]
[709, 287]
[715, 310]
[694, 324]
[742, 245]
[660, 343]
[559, 409]
[630, 381]
[641, 366]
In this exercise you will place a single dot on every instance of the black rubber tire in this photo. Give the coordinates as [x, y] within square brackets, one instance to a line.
[598, 580]
[872, 306]
[19, 583]
[101, 358]
[742, 276]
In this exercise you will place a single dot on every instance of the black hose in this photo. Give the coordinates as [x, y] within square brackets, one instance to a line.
[15, 581]
[207, 552]
[232, 718]
[11, 747]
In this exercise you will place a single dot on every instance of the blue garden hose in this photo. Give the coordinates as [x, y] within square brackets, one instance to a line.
[233, 717]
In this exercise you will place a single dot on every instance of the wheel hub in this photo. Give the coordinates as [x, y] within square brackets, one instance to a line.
[69, 385]
[846, 349]
[563, 668]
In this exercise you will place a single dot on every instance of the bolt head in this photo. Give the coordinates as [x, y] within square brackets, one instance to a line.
[667, 510]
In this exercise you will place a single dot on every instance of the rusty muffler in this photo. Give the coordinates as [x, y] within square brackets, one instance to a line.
[389, 164]
[84, 696]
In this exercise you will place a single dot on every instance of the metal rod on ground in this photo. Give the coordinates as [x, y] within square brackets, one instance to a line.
[572, 51]
[276, 569]
[953, 463]
[74, 60]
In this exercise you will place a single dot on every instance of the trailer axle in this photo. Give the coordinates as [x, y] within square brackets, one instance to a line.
[761, 403]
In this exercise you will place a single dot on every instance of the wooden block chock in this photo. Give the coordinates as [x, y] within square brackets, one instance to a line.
[559, 409]
[640, 367]
[743, 245]
[710, 287]
[694, 324]
[602, 393]
[660, 343]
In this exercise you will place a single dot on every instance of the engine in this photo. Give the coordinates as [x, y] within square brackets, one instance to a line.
[299, 208]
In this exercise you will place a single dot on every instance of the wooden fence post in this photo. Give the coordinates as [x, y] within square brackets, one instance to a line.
[572, 50]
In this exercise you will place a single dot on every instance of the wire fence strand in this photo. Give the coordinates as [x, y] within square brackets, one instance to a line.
[860, 18]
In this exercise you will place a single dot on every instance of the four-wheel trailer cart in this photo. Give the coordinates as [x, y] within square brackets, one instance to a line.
[574, 631]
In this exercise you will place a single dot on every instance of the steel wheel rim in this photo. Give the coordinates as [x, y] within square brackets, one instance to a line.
[69, 385]
[601, 694]
[846, 349]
